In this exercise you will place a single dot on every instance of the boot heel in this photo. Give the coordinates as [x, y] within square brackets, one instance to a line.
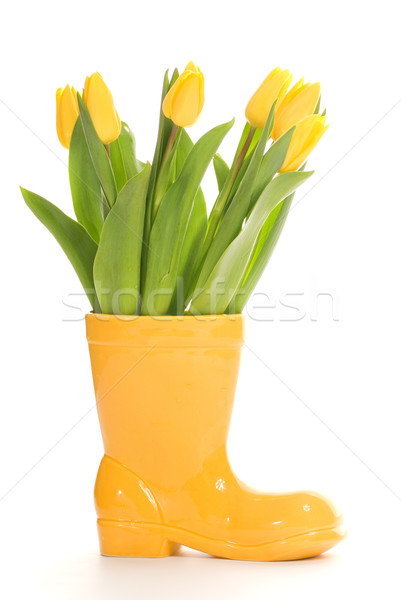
[122, 538]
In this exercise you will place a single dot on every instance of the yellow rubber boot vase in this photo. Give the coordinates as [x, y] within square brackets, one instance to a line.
[165, 389]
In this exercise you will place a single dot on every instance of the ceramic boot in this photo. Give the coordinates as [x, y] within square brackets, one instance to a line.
[165, 389]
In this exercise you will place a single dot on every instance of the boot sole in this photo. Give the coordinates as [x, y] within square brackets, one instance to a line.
[147, 540]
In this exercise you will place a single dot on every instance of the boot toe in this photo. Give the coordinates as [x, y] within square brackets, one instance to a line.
[314, 512]
[311, 524]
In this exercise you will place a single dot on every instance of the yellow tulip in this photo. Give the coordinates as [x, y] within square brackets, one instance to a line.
[66, 114]
[184, 101]
[100, 104]
[300, 102]
[307, 133]
[273, 88]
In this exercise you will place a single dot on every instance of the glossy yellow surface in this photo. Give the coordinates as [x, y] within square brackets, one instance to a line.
[184, 101]
[100, 104]
[66, 114]
[271, 89]
[165, 389]
[307, 134]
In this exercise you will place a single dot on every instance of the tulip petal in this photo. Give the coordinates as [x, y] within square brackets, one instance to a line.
[191, 67]
[317, 128]
[168, 103]
[293, 92]
[67, 110]
[302, 104]
[99, 102]
[273, 88]
[187, 101]
[184, 101]
[272, 74]
[58, 118]
[301, 158]
[307, 134]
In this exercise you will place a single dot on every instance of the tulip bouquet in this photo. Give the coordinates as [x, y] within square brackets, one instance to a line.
[142, 242]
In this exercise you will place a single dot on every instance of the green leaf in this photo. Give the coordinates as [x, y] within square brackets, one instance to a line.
[118, 260]
[164, 131]
[232, 182]
[221, 170]
[117, 164]
[238, 209]
[127, 143]
[250, 152]
[239, 177]
[225, 279]
[264, 248]
[271, 163]
[190, 254]
[178, 155]
[97, 151]
[165, 126]
[72, 237]
[85, 186]
[170, 226]
[184, 147]
[165, 176]
[123, 157]
[194, 236]
[254, 141]
[265, 245]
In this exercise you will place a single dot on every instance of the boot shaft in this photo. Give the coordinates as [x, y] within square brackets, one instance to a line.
[164, 390]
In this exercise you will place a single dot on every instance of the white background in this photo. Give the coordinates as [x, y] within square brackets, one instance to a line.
[318, 403]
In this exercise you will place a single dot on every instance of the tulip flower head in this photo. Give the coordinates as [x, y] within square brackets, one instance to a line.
[307, 133]
[184, 101]
[273, 88]
[66, 114]
[100, 104]
[300, 102]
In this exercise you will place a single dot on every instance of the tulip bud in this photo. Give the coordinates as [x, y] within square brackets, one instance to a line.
[184, 101]
[66, 114]
[273, 88]
[300, 102]
[305, 137]
[100, 104]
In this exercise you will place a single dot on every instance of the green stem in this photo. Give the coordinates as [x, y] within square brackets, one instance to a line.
[169, 145]
[159, 193]
[225, 193]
